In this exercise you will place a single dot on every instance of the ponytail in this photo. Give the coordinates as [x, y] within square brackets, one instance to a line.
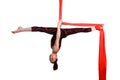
[55, 65]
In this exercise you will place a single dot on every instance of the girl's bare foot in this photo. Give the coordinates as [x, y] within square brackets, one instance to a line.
[18, 30]
[93, 28]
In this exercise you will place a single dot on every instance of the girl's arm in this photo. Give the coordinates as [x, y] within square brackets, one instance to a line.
[58, 34]
[57, 41]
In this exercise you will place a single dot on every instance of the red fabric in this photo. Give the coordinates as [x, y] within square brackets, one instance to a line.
[102, 62]
[102, 56]
[60, 9]
[102, 52]
[81, 24]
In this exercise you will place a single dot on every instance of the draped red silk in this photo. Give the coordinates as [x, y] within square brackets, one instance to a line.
[102, 62]
[60, 9]
[102, 56]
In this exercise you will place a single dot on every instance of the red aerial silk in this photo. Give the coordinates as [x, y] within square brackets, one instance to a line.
[102, 56]
[102, 62]
[60, 9]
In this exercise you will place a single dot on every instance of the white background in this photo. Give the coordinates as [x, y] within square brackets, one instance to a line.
[24, 56]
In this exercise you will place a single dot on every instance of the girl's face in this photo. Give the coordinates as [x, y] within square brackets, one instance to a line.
[53, 57]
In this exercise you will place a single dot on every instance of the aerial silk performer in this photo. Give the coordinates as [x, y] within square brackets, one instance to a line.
[58, 34]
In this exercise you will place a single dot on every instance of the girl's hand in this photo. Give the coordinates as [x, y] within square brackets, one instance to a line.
[59, 23]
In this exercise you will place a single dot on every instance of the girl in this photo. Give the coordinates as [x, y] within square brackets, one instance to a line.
[58, 34]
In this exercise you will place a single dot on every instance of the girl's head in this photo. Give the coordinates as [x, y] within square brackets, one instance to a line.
[53, 59]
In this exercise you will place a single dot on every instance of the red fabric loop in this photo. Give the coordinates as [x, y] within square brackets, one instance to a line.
[99, 27]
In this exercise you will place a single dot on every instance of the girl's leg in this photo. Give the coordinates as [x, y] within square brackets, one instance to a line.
[71, 31]
[35, 28]
[44, 29]
[20, 29]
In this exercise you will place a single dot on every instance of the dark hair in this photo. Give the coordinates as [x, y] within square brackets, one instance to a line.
[55, 65]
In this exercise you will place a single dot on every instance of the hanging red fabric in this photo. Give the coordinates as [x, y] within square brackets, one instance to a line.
[102, 61]
[102, 56]
[60, 9]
